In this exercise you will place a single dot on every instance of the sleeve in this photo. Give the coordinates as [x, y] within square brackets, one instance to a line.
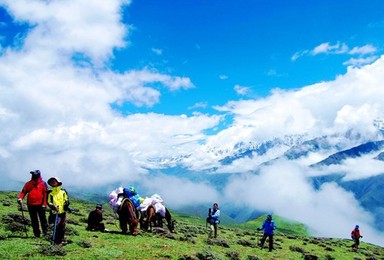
[262, 226]
[24, 191]
[50, 200]
[45, 193]
[216, 215]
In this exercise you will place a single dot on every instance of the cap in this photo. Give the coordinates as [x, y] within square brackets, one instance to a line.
[35, 172]
[99, 206]
[54, 178]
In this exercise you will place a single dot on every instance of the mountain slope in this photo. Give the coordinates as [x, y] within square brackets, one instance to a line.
[189, 241]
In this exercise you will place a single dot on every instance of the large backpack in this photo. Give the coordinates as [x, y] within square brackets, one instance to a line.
[209, 218]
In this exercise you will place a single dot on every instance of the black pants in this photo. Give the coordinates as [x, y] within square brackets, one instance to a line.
[96, 227]
[270, 240]
[356, 242]
[37, 213]
[60, 227]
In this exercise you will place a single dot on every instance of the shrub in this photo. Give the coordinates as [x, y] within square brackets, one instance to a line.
[297, 249]
[233, 255]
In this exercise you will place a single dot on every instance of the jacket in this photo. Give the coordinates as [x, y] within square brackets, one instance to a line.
[94, 218]
[58, 197]
[268, 226]
[37, 192]
[355, 234]
[215, 216]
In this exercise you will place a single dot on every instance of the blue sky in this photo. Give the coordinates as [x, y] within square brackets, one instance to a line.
[249, 44]
[101, 93]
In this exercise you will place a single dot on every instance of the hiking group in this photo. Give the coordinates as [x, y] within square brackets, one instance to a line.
[268, 226]
[40, 197]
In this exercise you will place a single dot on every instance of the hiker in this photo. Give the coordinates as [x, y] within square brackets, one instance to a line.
[58, 202]
[95, 219]
[268, 227]
[355, 235]
[36, 191]
[213, 219]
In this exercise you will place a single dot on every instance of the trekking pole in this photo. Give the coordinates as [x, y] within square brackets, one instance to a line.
[257, 237]
[22, 214]
[54, 228]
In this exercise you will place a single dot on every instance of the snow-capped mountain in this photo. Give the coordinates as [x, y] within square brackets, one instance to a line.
[332, 150]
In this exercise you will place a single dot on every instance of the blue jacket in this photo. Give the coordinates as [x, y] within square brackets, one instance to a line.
[215, 217]
[268, 227]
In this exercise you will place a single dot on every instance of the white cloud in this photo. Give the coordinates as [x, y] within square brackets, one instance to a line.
[157, 51]
[366, 49]
[337, 48]
[72, 26]
[284, 189]
[354, 169]
[170, 186]
[241, 90]
[352, 100]
[199, 105]
[57, 115]
[358, 62]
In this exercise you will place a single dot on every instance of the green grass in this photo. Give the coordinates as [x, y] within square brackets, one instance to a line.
[189, 242]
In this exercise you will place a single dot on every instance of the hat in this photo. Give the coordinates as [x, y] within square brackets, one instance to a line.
[35, 173]
[99, 206]
[54, 178]
[269, 216]
[357, 227]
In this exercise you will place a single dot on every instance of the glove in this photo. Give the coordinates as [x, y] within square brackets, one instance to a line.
[52, 207]
[19, 201]
[258, 229]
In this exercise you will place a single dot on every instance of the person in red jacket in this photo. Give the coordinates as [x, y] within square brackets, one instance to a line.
[36, 191]
[355, 235]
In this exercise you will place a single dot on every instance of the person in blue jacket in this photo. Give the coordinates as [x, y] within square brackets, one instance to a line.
[268, 227]
[213, 216]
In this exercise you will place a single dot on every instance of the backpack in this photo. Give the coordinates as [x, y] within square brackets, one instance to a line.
[209, 218]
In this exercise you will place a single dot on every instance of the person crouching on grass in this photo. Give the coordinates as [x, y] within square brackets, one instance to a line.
[58, 202]
[95, 219]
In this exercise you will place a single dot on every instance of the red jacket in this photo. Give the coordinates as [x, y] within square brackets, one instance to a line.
[355, 233]
[37, 192]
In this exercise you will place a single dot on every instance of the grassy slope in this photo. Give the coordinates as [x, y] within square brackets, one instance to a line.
[189, 242]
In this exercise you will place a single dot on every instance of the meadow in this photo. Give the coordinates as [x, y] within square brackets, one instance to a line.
[190, 241]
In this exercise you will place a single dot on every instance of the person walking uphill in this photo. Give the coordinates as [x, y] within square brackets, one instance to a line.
[355, 235]
[268, 227]
[36, 191]
[58, 202]
[213, 219]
